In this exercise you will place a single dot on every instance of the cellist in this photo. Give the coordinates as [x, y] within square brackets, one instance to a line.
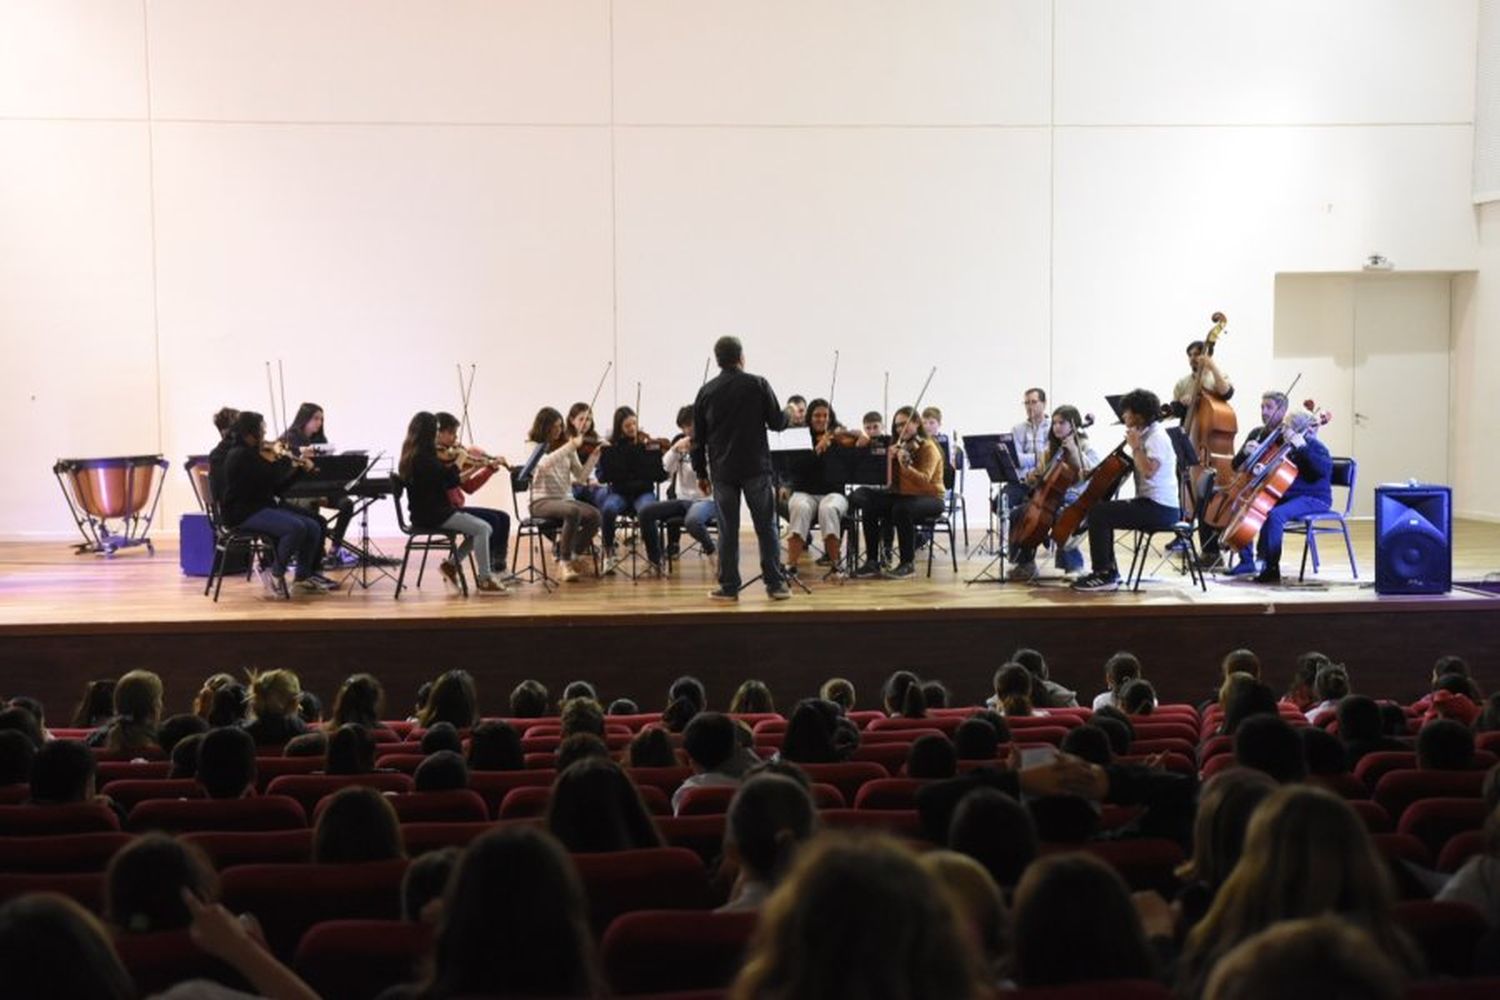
[1065, 443]
[1310, 493]
[1272, 411]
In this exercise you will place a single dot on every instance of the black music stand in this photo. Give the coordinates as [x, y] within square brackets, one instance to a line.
[359, 574]
[859, 467]
[644, 467]
[996, 455]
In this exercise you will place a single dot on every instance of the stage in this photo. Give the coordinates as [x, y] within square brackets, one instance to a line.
[66, 618]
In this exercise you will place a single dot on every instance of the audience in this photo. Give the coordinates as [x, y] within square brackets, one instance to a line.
[840, 692]
[652, 747]
[932, 758]
[16, 755]
[1361, 730]
[1267, 743]
[529, 700]
[1013, 687]
[577, 747]
[1445, 745]
[274, 698]
[442, 736]
[495, 746]
[423, 885]
[1046, 693]
[444, 771]
[356, 824]
[1064, 900]
[977, 899]
[453, 699]
[596, 808]
[97, 706]
[903, 696]
[226, 763]
[51, 947]
[1119, 670]
[712, 748]
[752, 698]
[62, 772]
[1313, 957]
[137, 700]
[144, 882]
[769, 818]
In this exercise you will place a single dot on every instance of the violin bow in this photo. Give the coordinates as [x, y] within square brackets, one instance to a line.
[465, 392]
[705, 372]
[281, 377]
[597, 389]
[835, 383]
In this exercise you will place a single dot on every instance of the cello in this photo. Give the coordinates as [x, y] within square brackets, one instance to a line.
[1041, 510]
[1273, 470]
[1100, 485]
[1210, 421]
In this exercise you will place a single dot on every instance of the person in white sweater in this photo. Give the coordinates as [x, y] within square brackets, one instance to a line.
[552, 482]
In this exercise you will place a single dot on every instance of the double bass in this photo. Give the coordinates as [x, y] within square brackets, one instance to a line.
[1041, 510]
[1210, 421]
[1268, 474]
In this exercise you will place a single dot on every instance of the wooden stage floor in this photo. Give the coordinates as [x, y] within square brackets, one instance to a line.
[66, 617]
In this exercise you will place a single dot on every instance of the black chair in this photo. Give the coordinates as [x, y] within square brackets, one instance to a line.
[424, 540]
[255, 546]
[536, 531]
[1184, 531]
[942, 524]
[675, 524]
[1330, 522]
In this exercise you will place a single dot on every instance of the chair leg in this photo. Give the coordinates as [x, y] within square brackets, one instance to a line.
[953, 548]
[214, 569]
[1133, 578]
[422, 568]
[931, 544]
[1196, 573]
[401, 576]
[1349, 547]
[1306, 547]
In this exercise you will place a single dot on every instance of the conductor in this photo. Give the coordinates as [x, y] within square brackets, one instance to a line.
[730, 418]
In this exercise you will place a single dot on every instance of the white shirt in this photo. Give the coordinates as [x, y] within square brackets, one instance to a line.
[1105, 700]
[679, 467]
[557, 471]
[1031, 442]
[1186, 387]
[1161, 487]
[703, 779]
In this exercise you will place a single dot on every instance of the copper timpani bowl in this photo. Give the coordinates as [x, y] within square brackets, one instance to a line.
[111, 487]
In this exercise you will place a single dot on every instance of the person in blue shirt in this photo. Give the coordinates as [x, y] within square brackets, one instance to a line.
[1310, 493]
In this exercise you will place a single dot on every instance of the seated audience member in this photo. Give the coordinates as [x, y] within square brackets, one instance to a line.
[529, 700]
[1137, 697]
[582, 715]
[595, 808]
[622, 706]
[442, 736]
[652, 747]
[310, 709]
[51, 947]
[1066, 899]
[1118, 715]
[1240, 661]
[1225, 806]
[361, 702]
[273, 705]
[1445, 667]
[932, 758]
[1013, 690]
[33, 708]
[495, 746]
[1329, 688]
[578, 747]
[1119, 670]
[423, 885]
[691, 689]
[16, 754]
[578, 689]
[995, 830]
[1301, 693]
[1452, 701]
[424, 691]
[1315, 957]
[1445, 745]
[934, 694]
[1232, 686]
[1360, 729]
[678, 713]
[871, 891]
[1119, 734]
[1322, 751]
[769, 818]
[1267, 743]
[1089, 742]
[313, 744]
[453, 699]
[1478, 881]
[1248, 700]
[138, 697]
[1392, 720]
[976, 739]
[996, 720]
[810, 734]
[22, 721]
[185, 756]
[903, 696]
[176, 727]
[351, 750]
[62, 772]
[203, 701]
[1045, 692]
[357, 824]
[712, 748]
[97, 706]
[514, 923]
[226, 763]
[144, 882]
[979, 904]
[444, 771]
[1306, 854]
[752, 698]
[840, 692]
[230, 703]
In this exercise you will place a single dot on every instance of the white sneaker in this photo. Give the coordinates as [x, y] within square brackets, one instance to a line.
[491, 585]
[567, 573]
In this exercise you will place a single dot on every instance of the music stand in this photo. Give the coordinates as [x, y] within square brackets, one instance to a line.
[359, 573]
[996, 455]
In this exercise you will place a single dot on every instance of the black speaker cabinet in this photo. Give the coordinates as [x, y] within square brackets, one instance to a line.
[1413, 539]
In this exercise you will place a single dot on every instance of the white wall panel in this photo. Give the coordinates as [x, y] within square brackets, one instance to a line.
[75, 308]
[1264, 61]
[72, 59]
[381, 60]
[835, 61]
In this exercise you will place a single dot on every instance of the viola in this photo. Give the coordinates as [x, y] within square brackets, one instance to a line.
[1041, 510]
[1101, 484]
[468, 459]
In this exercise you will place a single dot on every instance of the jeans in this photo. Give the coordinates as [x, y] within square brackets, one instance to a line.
[761, 499]
[1104, 518]
[579, 522]
[695, 516]
[879, 510]
[298, 534]
[614, 504]
[499, 522]
[476, 539]
[1268, 546]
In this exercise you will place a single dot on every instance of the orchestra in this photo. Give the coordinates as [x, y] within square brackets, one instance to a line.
[846, 486]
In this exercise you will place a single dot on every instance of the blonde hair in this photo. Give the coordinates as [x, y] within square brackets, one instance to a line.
[274, 692]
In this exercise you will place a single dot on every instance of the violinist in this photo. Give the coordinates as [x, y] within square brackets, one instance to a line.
[1155, 504]
[796, 411]
[1310, 493]
[915, 473]
[631, 467]
[686, 500]
[474, 470]
[818, 498]
[224, 424]
[591, 491]
[1066, 443]
[558, 471]
[305, 436]
[1214, 381]
[428, 480]
[255, 472]
[874, 424]
[1273, 406]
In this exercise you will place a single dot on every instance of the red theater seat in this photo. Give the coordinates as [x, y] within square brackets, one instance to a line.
[1144, 863]
[657, 878]
[1459, 849]
[461, 805]
[1402, 847]
[493, 785]
[656, 951]
[130, 791]
[72, 852]
[905, 823]
[266, 812]
[268, 769]
[891, 756]
[359, 959]
[888, 793]
[84, 888]
[846, 776]
[288, 899]
[307, 789]
[420, 838]
[1399, 789]
[37, 821]
[1376, 819]
[665, 778]
[703, 835]
[1436, 821]
[1345, 786]
[14, 795]
[226, 849]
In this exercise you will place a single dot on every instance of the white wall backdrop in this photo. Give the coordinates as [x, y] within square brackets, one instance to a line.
[1053, 192]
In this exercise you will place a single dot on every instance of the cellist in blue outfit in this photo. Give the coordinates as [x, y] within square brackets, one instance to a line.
[1310, 493]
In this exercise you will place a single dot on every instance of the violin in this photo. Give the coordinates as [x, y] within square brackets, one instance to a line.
[275, 451]
[841, 438]
[470, 459]
[652, 443]
[1041, 511]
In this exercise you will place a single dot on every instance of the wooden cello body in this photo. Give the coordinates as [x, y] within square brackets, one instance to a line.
[1261, 482]
[1041, 510]
[1100, 485]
